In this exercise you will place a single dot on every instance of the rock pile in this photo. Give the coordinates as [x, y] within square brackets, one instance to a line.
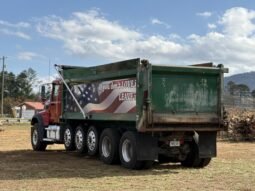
[241, 124]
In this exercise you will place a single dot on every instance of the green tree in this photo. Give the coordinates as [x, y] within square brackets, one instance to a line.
[18, 88]
[243, 89]
[231, 87]
[10, 85]
[237, 89]
[24, 84]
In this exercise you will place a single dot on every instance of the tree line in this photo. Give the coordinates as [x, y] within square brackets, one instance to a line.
[239, 89]
[18, 88]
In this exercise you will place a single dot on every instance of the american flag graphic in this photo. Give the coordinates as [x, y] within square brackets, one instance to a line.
[116, 96]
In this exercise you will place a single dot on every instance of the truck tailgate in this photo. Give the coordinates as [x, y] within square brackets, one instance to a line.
[185, 95]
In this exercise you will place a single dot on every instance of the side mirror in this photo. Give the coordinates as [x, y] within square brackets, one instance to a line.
[43, 93]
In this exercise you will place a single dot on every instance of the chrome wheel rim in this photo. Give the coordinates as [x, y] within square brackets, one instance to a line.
[79, 139]
[91, 140]
[35, 137]
[127, 150]
[67, 137]
[106, 147]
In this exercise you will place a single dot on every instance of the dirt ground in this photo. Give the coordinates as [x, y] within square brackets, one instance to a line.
[55, 169]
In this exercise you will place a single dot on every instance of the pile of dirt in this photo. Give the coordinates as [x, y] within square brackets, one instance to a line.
[241, 124]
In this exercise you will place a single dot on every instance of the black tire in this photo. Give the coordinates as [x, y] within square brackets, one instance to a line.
[128, 152]
[80, 140]
[193, 159]
[35, 140]
[69, 138]
[147, 164]
[109, 146]
[204, 162]
[92, 141]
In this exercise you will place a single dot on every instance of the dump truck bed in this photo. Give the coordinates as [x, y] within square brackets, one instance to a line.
[153, 97]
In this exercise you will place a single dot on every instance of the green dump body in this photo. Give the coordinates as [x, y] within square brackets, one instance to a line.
[152, 97]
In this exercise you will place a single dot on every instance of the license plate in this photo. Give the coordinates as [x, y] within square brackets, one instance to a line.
[174, 143]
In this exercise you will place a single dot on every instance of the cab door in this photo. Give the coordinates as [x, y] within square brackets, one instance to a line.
[55, 103]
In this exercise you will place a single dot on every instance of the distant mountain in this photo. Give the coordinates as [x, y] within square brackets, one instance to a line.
[243, 78]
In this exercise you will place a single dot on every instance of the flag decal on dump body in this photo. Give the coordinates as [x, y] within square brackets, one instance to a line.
[116, 96]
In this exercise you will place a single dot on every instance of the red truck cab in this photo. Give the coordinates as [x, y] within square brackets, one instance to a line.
[52, 109]
[46, 122]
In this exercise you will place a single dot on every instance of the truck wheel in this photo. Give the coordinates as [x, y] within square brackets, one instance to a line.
[92, 141]
[127, 150]
[193, 159]
[35, 141]
[204, 162]
[69, 138]
[80, 142]
[108, 146]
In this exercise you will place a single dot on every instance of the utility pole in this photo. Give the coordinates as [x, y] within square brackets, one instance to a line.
[2, 95]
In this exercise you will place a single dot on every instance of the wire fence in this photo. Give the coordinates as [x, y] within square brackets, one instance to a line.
[242, 101]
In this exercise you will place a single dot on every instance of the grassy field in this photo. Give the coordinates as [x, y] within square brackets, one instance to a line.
[55, 169]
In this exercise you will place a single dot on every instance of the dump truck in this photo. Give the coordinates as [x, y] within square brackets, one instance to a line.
[134, 113]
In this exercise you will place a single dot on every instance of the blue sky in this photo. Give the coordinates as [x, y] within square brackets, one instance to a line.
[90, 32]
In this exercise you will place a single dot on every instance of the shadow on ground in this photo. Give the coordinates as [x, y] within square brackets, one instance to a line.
[27, 164]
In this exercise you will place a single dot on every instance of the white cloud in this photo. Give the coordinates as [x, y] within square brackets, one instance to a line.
[89, 34]
[238, 22]
[27, 55]
[205, 14]
[156, 21]
[15, 33]
[44, 80]
[174, 36]
[16, 25]
[211, 26]
[88, 25]
[11, 29]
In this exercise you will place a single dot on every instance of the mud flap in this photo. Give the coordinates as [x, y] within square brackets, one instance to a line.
[146, 147]
[206, 143]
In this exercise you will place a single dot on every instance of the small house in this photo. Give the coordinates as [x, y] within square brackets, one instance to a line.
[28, 109]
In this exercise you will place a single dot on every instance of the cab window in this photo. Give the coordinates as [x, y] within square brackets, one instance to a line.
[55, 92]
